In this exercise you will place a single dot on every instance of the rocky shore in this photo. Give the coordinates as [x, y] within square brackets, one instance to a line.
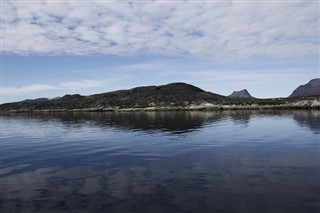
[303, 104]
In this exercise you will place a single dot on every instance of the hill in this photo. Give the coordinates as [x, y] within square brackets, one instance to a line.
[240, 94]
[174, 94]
[312, 88]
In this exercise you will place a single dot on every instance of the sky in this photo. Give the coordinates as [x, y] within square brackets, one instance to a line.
[52, 48]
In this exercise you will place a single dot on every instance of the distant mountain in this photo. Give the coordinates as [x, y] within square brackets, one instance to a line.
[312, 88]
[240, 94]
[174, 94]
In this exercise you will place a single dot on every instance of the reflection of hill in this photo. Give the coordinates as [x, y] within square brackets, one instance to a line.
[310, 119]
[306, 118]
[174, 122]
[240, 117]
[177, 122]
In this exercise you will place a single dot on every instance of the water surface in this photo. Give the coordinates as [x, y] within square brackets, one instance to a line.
[231, 161]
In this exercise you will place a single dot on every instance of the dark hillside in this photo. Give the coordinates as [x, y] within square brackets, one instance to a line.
[170, 94]
[312, 88]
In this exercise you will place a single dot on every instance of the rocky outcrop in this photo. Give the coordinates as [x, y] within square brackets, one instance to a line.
[312, 88]
[240, 94]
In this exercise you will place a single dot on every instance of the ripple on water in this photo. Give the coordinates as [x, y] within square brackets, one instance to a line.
[231, 161]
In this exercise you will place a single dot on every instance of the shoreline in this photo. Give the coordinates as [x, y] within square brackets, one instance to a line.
[300, 105]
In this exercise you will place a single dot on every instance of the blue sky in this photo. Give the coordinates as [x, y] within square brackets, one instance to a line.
[53, 48]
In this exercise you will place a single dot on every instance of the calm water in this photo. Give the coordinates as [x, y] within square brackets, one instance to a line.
[164, 162]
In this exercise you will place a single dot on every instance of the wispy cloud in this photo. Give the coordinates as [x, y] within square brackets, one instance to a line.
[82, 84]
[26, 89]
[227, 29]
[69, 85]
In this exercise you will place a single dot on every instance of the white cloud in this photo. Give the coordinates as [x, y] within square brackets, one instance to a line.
[215, 29]
[69, 85]
[26, 89]
[82, 84]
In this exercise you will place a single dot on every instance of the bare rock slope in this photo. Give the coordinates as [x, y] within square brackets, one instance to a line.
[312, 88]
[240, 94]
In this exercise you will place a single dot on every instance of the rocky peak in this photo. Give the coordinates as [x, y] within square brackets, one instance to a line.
[240, 94]
[312, 88]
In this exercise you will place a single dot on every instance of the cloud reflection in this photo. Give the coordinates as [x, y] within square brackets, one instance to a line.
[203, 181]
